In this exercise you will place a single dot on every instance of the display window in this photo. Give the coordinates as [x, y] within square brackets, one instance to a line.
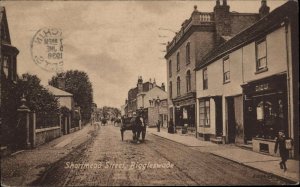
[270, 116]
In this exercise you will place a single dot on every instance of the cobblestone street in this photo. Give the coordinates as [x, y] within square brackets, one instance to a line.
[106, 160]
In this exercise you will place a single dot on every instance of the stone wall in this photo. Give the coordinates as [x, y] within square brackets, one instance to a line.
[46, 134]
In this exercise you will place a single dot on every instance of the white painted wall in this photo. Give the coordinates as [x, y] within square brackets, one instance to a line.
[153, 93]
[276, 56]
[65, 101]
[242, 70]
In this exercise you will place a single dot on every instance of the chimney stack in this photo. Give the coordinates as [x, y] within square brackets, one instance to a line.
[140, 84]
[224, 2]
[154, 83]
[61, 82]
[264, 9]
[163, 86]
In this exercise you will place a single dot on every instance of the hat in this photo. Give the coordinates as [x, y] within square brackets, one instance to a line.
[281, 131]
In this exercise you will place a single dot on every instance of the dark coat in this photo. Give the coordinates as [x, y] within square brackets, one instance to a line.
[280, 142]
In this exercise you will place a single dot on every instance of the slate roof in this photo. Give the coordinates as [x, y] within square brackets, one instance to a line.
[57, 92]
[258, 29]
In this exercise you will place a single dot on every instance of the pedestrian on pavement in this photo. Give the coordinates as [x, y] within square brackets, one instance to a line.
[283, 151]
[158, 126]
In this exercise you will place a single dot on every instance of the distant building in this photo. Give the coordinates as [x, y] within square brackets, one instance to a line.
[64, 98]
[132, 104]
[123, 110]
[154, 103]
[8, 74]
[199, 34]
[144, 98]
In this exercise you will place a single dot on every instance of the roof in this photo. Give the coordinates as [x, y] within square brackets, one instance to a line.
[132, 93]
[3, 22]
[58, 92]
[1, 12]
[261, 27]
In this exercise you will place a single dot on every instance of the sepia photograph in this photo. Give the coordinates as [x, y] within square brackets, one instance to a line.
[149, 92]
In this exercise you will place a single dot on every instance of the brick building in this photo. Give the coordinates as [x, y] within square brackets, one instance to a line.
[199, 34]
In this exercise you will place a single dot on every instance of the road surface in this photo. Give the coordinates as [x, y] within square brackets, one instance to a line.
[107, 161]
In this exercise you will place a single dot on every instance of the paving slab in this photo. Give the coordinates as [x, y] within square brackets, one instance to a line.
[187, 140]
[262, 162]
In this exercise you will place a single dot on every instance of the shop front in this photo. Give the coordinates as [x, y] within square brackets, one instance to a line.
[265, 109]
[185, 112]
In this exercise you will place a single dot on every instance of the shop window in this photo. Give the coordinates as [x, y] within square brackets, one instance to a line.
[205, 79]
[261, 55]
[270, 117]
[204, 113]
[226, 70]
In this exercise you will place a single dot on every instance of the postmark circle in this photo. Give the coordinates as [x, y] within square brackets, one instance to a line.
[47, 49]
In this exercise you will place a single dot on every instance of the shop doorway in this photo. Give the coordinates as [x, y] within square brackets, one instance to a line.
[178, 116]
[219, 118]
[230, 120]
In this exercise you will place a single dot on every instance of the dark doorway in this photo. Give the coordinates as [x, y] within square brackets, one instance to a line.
[231, 120]
[219, 121]
[178, 116]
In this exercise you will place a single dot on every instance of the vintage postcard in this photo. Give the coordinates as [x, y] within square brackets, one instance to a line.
[149, 92]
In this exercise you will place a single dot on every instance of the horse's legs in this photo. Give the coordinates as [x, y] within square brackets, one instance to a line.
[143, 134]
[122, 134]
[138, 135]
[133, 135]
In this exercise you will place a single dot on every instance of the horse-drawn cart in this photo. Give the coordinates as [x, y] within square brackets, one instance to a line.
[135, 125]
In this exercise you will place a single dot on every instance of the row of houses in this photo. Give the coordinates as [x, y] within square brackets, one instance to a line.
[149, 98]
[233, 77]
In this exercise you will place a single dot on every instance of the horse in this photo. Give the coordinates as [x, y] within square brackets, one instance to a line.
[117, 121]
[136, 125]
[103, 121]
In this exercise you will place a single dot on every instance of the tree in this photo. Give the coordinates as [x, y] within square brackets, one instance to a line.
[111, 111]
[77, 83]
[39, 100]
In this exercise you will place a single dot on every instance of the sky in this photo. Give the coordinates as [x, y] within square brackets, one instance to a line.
[114, 42]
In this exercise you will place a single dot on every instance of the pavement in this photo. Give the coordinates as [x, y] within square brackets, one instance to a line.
[266, 163]
[24, 167]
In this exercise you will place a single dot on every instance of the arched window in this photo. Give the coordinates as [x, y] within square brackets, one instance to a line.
[188, 53]
[178, 85]
[178, 61]
[170, 89]
[188, 81]
[170, 68]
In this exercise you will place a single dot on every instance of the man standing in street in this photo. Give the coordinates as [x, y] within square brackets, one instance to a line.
[283, 151]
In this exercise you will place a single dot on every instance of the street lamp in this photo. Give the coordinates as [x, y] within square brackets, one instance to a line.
[158, 103]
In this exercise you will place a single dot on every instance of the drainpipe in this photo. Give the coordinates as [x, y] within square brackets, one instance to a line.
[286, 25]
